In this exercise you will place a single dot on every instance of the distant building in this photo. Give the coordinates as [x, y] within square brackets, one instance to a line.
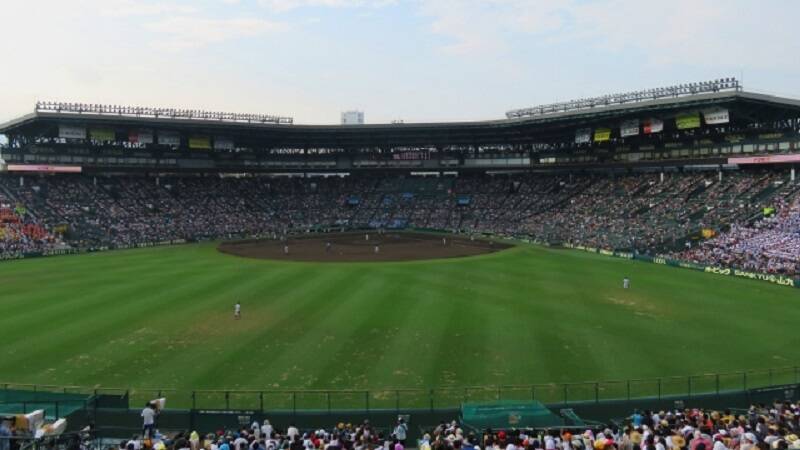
[353, 118]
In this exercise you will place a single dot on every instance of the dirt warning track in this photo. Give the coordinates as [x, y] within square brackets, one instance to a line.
[363, 247]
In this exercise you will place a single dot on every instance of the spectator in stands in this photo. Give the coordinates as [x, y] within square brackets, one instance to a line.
[5, 435]
[148, 420]
[636, 212]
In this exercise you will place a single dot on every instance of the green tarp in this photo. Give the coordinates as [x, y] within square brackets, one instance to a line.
[509, 414]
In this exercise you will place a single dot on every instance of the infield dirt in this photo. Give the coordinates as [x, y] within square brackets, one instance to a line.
[361, 247]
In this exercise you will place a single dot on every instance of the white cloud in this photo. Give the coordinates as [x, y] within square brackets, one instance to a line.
[487, 25]
[180, 33]
[128, 8]
[697, 32]
[703, 32]
[288, 5]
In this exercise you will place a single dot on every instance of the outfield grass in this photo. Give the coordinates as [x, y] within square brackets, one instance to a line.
[162, 317]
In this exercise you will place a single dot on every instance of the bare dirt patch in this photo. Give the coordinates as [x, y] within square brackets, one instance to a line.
[361, 247]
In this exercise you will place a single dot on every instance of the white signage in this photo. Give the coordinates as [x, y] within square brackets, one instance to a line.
[629, 128]
[71, 132]
[169, 138]
[716, 116]
[583, 136]
[223, 143]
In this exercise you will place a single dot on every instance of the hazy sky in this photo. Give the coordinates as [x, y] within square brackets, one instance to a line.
[416, 60]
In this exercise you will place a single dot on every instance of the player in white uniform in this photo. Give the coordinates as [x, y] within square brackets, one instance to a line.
[626, 283]
[237, 311]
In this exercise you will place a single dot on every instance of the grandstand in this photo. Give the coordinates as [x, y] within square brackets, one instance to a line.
[700, 176]
[669, 165]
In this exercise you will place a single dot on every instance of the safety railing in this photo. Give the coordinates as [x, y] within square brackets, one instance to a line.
[439, 397]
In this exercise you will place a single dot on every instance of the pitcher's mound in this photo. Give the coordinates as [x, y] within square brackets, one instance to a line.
[350, 247]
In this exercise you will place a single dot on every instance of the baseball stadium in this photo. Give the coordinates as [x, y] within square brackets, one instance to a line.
[556, 269]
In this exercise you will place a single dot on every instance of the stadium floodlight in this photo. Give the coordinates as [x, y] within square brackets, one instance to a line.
[171, 113]
[721, 84]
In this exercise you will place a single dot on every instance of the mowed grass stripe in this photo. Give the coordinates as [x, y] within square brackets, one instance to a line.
[206, 338]
[162, 317]
[176, 332]
[117, 310]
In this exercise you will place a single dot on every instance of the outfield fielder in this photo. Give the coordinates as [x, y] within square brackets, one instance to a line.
[237, 311]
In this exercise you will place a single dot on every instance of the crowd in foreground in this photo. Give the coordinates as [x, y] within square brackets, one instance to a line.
[647, 213]
[263, 436]
[761, 427]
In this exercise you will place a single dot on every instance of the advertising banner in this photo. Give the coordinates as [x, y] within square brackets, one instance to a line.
[629, 128]
[687, 121]
[765, 159]
[169, 138]
[771, 278]
[653, 126]
[583, 136]
[602, 135]
[716, 116]
[223, 143]
[102, 134]
[43, 168]
[200, 143]
[141, 136]
[70, 132]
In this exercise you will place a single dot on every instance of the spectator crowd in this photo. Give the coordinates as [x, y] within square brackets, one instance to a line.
[761, 427]
[649, 213]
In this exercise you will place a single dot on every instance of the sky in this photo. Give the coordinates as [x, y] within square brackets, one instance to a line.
[411, 60]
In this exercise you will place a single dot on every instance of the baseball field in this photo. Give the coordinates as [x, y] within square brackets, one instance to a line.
[163, 318]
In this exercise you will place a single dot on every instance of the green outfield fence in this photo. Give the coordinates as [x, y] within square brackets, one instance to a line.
[423, 399]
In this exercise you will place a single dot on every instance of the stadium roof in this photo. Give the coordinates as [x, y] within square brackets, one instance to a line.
[743, 106]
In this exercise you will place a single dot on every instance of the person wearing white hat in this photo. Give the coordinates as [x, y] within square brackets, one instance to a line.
[719, 445]
[256, 429]
[266, 429]
[749, 442]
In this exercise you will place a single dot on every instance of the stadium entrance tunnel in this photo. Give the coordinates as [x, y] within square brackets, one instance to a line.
[369, 246]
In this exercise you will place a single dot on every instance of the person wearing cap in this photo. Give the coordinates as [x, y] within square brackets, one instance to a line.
[469, 442]
[292, 432]
[719, 442]
[194, 440]
[749, 442]
[266, 430]
[240, 443]
[549, 442]
[678, 441]
[425, 442]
